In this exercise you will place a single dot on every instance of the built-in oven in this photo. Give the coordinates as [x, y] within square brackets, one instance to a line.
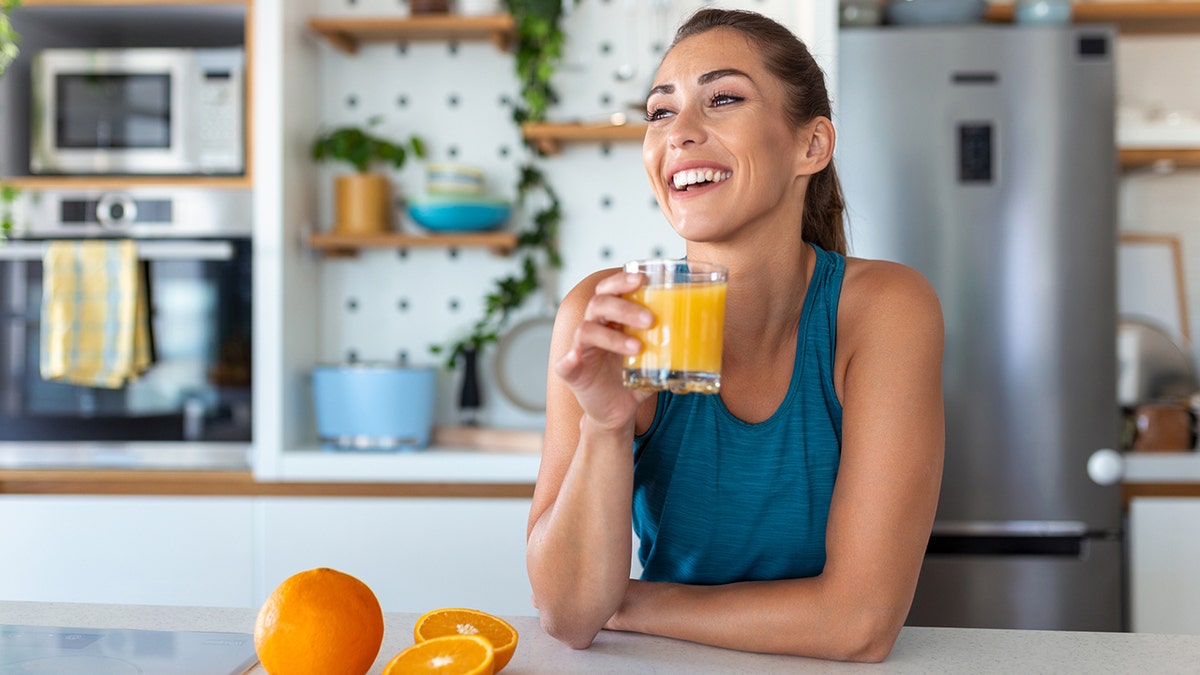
[194, 252]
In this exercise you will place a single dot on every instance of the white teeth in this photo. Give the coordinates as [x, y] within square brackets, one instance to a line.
[694, 176]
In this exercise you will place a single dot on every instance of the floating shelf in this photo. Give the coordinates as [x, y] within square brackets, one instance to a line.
[550, 136]
[343, 245]
[1130, 16]
[347, 33]
[113, 3]
[1169, 158]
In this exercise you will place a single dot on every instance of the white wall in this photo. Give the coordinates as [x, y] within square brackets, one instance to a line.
[381, 305]
[1162, 73]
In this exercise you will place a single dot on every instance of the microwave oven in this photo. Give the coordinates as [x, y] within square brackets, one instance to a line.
[138, 111]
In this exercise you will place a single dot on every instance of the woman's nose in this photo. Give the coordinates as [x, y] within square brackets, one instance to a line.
[687, 127]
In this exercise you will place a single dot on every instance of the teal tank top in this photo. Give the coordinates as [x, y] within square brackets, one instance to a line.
[717, 500]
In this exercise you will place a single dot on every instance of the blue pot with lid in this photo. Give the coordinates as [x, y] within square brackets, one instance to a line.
[374, 406]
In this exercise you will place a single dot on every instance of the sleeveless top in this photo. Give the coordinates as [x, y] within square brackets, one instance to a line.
[718, 500]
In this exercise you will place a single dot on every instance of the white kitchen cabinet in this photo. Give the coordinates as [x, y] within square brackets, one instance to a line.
[1164, 564]
[417, 554]
[127, 549]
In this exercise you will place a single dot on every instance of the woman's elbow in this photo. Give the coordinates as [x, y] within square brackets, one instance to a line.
[869, 642]
[571, 631]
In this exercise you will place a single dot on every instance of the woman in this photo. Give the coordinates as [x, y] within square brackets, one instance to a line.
[790, 513]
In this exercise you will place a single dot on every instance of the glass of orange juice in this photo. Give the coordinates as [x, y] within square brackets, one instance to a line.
[681, 350]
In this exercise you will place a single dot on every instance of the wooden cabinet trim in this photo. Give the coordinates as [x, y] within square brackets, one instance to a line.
[231, 484]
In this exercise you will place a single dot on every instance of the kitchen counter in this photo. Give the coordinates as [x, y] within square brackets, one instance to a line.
[1161, 474]
[472, 462]
[918, 650]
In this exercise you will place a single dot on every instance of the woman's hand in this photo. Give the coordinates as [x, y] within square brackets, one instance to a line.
[592, 365]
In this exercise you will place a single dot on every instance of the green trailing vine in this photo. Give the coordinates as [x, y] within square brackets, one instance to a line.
[538, 51]
[8, 195]
[10, 40]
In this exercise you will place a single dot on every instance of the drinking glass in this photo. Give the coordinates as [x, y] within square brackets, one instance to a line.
[681, 350]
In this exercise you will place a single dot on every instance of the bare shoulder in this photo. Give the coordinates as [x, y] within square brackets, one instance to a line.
[880, 297]
[571, 309]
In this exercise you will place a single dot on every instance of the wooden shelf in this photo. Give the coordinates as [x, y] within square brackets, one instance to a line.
[123, 182]
[549, 136]
[1130, 16]
[1170, 158]
[334, 244]
[114, 3]
[347, 33]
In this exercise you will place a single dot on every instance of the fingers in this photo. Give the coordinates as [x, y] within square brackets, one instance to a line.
[610, 307]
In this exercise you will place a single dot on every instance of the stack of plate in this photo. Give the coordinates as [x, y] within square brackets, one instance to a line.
[478, 7]
[455, 201]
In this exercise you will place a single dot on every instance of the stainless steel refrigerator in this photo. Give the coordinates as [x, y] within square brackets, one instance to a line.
[984, 157]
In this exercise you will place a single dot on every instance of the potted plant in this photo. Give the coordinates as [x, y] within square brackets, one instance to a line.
[361, 198]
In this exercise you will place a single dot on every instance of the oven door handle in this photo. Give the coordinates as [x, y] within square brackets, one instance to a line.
[147, 250]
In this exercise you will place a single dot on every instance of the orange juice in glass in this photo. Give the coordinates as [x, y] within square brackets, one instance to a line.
[681, 350]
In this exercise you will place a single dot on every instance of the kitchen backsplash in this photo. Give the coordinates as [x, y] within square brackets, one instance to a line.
[386, 304]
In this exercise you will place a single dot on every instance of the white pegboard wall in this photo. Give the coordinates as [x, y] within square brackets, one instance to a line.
[383, 305]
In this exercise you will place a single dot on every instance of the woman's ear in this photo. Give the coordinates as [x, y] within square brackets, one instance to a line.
[816, 146]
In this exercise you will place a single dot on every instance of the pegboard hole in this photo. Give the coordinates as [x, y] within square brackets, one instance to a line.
[402, 304]
[352, 101]
[351, 304]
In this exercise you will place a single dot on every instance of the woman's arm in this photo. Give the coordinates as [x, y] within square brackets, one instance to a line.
[890, 337]
[579, 538]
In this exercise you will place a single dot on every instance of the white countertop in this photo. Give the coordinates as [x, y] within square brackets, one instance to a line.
[1162, 467]
[918, 650]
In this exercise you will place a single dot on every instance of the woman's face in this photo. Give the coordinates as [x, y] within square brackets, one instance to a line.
[719, 149]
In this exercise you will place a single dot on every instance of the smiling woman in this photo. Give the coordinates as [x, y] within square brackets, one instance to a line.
[790, 512]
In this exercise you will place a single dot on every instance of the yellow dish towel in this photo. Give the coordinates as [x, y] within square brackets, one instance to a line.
[95, 313]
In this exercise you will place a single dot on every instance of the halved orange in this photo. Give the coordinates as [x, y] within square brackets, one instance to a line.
[462, 621]
[448, 655]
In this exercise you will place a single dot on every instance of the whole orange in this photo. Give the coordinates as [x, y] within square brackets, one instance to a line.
[319, 622]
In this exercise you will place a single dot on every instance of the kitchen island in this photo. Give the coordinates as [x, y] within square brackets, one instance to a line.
[918, 650]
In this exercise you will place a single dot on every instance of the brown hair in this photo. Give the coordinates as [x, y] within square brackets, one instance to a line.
[788, 59]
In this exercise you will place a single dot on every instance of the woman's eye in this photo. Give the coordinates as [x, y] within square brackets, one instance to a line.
[724, 99]
[656, 114]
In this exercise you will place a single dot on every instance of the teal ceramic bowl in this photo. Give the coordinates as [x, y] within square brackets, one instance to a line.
[458, 213]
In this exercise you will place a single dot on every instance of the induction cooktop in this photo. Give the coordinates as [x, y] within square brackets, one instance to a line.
[54, 650]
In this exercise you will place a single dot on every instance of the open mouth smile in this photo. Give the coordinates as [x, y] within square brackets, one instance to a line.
[691, 178]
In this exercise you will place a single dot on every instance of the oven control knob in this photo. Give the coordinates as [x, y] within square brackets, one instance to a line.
[116, 209]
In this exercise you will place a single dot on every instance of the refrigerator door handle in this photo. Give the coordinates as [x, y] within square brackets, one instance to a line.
[1011, 538]
[1017, 528]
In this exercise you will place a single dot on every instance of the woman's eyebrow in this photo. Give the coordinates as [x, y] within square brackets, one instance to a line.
[710, 76]
[722, 72]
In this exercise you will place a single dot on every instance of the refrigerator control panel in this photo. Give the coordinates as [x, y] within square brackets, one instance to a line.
[975, 153]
